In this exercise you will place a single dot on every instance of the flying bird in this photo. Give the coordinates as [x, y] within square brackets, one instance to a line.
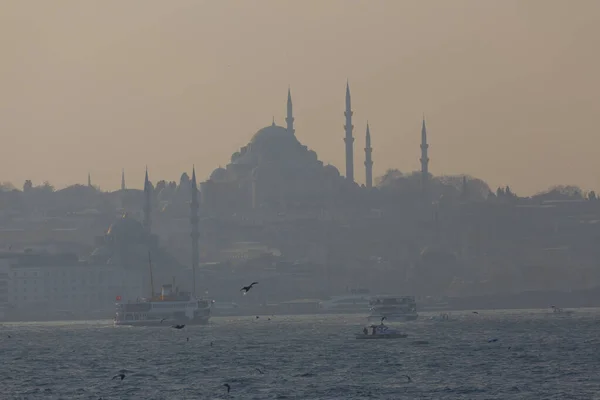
[122, 376]
[408, 377]
[259, 370]
[161, 321]
[382, 318]
[178, 326]
[245, 289]
[475, 312]
[227, 386]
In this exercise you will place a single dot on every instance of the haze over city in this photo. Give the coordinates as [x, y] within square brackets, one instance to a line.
[509, 88]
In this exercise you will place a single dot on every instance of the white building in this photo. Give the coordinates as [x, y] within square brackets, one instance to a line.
[46, 286]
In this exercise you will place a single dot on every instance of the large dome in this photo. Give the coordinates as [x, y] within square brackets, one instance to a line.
[273, 135]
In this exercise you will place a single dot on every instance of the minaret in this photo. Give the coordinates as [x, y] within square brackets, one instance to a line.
[195, 235]
[349, 139]
[290, 115]
[147, 203]
[89, 180]
[123, 179]
[424, 158]
[368, 160]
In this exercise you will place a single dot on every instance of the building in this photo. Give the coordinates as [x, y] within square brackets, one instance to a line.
[41, 286]
[274, 171]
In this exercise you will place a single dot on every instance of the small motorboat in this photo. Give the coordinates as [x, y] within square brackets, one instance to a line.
[558, 310]
[380, 332]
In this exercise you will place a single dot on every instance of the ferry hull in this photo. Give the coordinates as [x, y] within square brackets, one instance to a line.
[382, 336]
[166, 323]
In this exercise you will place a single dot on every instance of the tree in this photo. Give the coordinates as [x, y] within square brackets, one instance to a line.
[160, 185]
[6, 187]
[592, 196]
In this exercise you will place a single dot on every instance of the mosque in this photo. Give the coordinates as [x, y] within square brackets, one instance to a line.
[277, 172]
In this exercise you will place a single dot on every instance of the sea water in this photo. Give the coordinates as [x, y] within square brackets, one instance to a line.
[537, 356]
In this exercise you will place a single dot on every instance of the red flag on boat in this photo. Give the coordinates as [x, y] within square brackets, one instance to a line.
[118, 298]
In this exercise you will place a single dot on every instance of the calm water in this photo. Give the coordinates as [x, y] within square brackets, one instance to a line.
[308, 357]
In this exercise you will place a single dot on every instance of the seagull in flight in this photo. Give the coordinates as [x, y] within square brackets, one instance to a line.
[408, 377]
[260, 371]
[245, 289]
[161, 321]
[178, 326]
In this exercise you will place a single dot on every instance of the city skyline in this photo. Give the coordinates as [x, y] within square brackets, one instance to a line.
[170, 86]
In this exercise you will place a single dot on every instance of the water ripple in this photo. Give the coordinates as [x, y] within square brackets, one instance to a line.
[310, 357]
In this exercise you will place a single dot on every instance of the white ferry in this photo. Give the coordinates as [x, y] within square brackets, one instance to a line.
[380, 332]
[168, 308]
[393, 309]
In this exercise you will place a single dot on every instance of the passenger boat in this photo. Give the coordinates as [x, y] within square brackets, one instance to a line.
[393, 308]
[171, 307]
[559, 310]
[380, 332]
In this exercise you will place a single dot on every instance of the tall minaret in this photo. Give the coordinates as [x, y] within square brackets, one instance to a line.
[290, 115]
[349, 139]
[368, 160]
[195, 235]
[424, 158]
[147, 203]
[89, 180]
[123, 179]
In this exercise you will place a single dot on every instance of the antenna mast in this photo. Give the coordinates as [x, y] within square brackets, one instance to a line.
[151, 279]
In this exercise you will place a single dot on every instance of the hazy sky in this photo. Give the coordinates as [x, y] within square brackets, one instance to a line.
[510, 88]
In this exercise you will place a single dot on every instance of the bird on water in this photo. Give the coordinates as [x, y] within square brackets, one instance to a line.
[122, 376]
[227, 386]
[245, 289]
[178, 326]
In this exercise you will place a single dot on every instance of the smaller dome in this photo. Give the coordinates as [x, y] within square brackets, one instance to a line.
[219, 174]
[126, 228]
[330, 169]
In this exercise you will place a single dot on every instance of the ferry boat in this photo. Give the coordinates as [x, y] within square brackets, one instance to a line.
[169, 308]
[559, 310]
[393, 309]
[380, 332]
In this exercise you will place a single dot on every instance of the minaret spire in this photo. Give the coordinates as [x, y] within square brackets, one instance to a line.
[89, 180]
[147, 203]
[290, 115]
[349, 140]
[424, 157]
[123, 179]
[368, 160]
[195, 234]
